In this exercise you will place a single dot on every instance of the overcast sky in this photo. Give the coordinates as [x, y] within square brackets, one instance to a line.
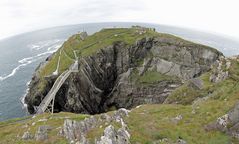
[218, 16]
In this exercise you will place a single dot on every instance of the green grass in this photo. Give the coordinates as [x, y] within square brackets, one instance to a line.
[88, 47]
[234, 71]
[153, 122]
[106, 37]
[100, 40]
[50, 65]
[148, 123]
[186, 94]
[93, 43]
[151, 77]
[183, 95]
[12, 131]
[65, 62]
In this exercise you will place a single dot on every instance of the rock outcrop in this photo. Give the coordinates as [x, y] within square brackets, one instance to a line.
[27, 136]
[41, 133]
[109, 78]
[111, 136]
[76, 131]
[220, 70]
[228, 123]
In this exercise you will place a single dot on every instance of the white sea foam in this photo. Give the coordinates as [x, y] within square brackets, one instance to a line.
[37, 47]
[43, 44]
[54, 47]
[50, 50]
[22, 99]
[26, 61]
[36, 57]
[13, 71]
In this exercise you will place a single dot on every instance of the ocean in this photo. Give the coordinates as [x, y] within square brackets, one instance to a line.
[21, 54]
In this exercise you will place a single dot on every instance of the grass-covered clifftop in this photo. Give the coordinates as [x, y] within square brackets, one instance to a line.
[186, 118]
[175, 90]
[150, 61]
[92, 44]
[99, 40]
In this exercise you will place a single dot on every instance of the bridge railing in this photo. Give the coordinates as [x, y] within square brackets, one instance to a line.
[61, 79]
[51, 94]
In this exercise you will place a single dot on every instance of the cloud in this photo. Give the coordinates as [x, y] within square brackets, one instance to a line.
[18, 16]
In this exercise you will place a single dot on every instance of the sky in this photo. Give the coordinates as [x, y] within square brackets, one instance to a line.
[215, 16]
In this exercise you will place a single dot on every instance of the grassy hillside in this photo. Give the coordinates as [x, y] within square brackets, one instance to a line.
[91, 44]
[184, 115]
[99, 40]
[150, 123]
[12, 130]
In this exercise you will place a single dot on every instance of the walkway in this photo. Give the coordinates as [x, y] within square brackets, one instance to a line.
[50, 97]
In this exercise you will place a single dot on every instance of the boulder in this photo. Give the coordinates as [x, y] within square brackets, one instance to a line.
[41, 133]
[27, 136]
[120, 113]
[177, 119]
[181, 141]
[75, 131]
[228, 123]
[233, 115]
[111, 136]
[196, 83]
[219, 73]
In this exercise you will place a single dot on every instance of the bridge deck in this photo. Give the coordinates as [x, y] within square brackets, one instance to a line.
[50, 97]
[51, 94]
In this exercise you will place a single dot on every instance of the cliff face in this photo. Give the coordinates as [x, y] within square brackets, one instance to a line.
[122, 75]
[196, 86]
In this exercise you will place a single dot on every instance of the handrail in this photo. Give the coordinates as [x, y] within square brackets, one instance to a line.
[51, 94]
[62, 78]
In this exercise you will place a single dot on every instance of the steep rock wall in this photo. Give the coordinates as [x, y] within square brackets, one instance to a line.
[106, 80]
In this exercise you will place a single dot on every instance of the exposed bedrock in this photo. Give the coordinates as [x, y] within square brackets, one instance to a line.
[109, 79]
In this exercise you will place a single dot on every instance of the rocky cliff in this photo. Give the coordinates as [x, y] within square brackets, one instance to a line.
[123, 75]
[175, 92]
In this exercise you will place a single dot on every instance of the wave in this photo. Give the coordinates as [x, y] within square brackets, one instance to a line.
[22, 99]
[53, 47]
[50, 50]
[13, 72]
[43, 44]
[37, 47]
[26, 61]
[36, 57]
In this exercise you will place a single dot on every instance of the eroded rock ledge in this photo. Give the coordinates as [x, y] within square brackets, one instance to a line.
[76, 131]
[115, 76]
